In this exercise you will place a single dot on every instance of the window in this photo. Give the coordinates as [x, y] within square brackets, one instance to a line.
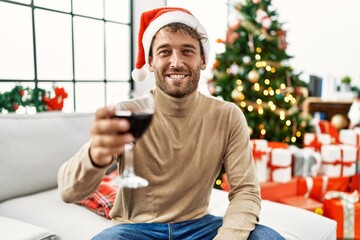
[84, 46]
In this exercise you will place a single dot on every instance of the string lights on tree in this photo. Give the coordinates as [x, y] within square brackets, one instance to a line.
[254, 73]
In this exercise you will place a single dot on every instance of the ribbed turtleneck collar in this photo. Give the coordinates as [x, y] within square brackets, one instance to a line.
[172, 106]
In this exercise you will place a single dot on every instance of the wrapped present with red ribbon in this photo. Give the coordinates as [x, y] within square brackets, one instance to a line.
[349, 137]
[344, 208]
[316, 140]
[325, 127]
[322, 184]
[279, 165]
[303, 200]
[338, 160]
[260, 152]
[355, 182]
[277, 145]
[274, 191]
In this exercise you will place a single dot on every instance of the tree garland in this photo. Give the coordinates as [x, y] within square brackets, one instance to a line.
[36, 97]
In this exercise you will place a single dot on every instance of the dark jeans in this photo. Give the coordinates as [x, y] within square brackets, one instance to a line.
[204, 228]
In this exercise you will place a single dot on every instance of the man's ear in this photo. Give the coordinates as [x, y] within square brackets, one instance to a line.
[151, 69]
[203, 62]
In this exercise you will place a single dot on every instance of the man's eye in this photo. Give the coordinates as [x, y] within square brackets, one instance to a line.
[164, 52]
[188, 51]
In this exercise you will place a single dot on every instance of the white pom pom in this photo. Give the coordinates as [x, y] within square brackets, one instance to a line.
[140, 75]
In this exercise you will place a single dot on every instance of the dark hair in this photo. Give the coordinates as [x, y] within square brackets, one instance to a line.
[181, 27]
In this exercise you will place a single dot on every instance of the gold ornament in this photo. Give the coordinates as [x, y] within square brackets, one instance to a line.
[253, 76]
[236, 95]
[339, 121]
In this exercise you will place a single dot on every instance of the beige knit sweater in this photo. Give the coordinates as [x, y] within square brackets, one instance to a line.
[180, 155]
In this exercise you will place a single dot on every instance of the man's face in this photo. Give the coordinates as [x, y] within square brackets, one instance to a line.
[176, 62]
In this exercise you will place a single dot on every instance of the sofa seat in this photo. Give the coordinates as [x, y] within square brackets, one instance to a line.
[72, 221]
[46, 209]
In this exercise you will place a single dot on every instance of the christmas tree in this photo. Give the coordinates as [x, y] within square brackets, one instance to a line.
[253, 71]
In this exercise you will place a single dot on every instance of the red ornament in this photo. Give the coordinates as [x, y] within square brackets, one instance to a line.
[281, 36]
[57, 102]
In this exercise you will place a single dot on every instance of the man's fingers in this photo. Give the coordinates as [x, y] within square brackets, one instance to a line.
[111, 141]
[105, 112]
[104, 156]
[110, 126]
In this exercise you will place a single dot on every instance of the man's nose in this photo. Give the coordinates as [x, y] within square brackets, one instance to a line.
[176, 59]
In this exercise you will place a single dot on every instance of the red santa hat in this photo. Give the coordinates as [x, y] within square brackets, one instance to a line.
[150, 23]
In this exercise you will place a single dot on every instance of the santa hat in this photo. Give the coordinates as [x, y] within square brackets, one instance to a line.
[150, 23]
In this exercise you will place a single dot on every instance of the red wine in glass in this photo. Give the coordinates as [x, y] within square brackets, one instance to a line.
[139, 112]
[139, 122]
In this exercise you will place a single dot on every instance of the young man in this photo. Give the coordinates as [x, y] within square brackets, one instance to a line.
[190, 137]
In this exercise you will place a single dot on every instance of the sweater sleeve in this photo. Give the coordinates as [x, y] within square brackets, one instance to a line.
[244, 208]
[78, 177]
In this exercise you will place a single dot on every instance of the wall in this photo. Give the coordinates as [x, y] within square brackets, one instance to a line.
[323, 36]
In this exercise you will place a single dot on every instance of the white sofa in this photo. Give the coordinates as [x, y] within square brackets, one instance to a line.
[32, 147]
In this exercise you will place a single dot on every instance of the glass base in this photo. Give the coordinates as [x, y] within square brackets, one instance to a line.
[130, 182]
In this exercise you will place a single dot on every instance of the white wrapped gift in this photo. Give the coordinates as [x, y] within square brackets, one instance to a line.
[338, 160]
[260, 153]
[280, 165]
[350, 157]
[316, 140]
[349, 136]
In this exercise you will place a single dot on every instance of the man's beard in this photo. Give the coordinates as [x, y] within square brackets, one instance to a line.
[191, 86]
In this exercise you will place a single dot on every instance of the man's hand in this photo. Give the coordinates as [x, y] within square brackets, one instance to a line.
[108, 137]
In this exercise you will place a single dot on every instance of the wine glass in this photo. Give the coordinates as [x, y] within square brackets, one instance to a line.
[139, 112]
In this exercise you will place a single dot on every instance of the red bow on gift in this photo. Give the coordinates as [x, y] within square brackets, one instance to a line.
[272, 167]
[258, 154]
[315, 143]
[340, 161]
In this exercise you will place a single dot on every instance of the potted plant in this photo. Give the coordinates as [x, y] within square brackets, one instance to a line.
[345, 84]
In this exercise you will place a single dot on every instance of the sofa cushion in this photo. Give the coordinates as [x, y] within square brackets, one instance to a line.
[291, 222]
[34, 146]
[15, 229]
[46, 209]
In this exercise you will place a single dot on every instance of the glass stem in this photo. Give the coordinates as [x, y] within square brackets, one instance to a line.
[129, 158]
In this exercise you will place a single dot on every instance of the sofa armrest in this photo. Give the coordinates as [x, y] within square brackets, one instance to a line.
[15, 229]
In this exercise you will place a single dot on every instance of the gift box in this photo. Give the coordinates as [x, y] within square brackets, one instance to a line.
[355, 183]
[277, 145]
[350, 159]
[280, 165]
[349, 136]
[305, 161]
[322, 184]
[260, 153]
[316, 140]
[325, 127]
[338, 160]
[303, 200]
[274, 191]
[304, 203]
[344, 208]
